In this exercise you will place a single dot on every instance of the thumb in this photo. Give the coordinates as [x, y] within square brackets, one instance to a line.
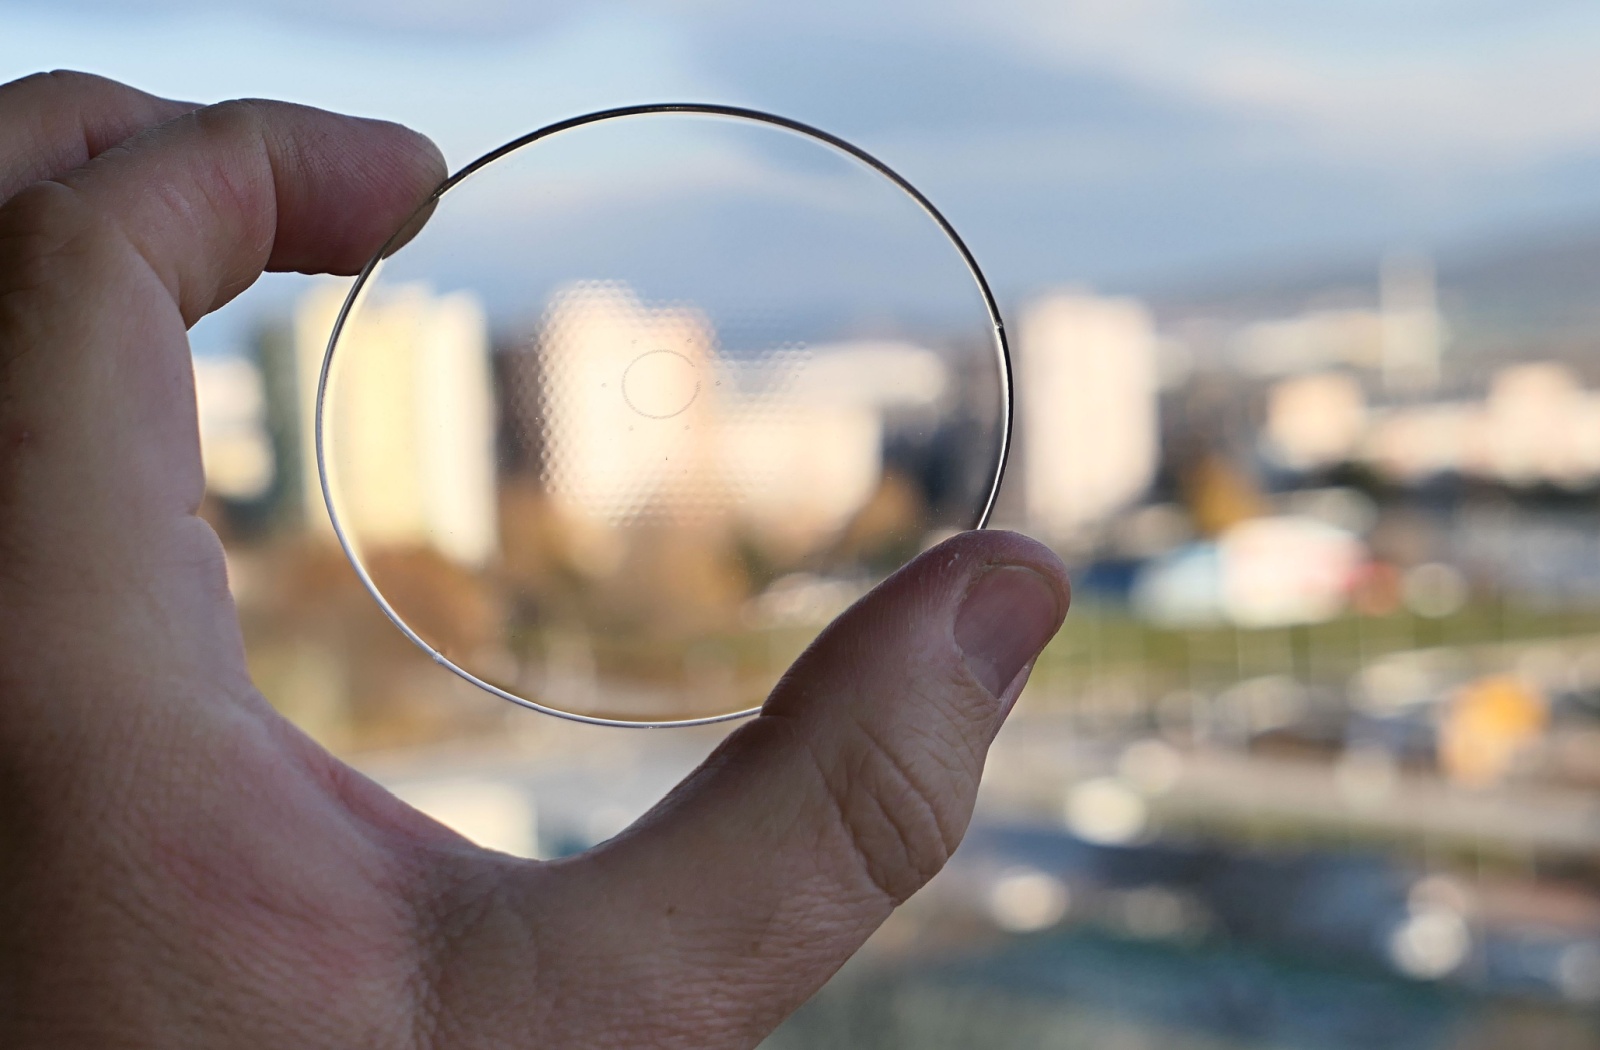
[742, 892]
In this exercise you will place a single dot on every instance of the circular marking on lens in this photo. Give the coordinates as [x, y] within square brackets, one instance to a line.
[660, 384]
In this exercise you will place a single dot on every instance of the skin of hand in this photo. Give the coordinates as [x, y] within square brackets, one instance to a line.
[180, 867]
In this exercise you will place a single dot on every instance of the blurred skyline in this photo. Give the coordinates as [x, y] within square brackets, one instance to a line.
[1126, 145]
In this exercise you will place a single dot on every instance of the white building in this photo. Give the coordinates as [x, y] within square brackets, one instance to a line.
[1413, 333]
[1287, 570]
[644, 419]
[1316, 420]
[1310, 341]
[1087, 386]
[1264, 572]
[1541, 425]
[1402, 340]
[804, 444]
[412, 419]
[1537, 425]
[628, 406]
[234, 444]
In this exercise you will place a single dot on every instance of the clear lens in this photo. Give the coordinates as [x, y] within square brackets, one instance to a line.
[648, 399]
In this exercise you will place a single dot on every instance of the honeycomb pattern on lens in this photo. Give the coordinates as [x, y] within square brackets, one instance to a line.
[635, 414]
[617, 453]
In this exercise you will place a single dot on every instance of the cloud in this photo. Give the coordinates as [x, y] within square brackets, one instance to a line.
[1372, 81]
[1380, 82]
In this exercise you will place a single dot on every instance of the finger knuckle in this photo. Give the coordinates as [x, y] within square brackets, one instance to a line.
[69, 81]
[240, 166]
[56, 81]
[59, 97]
[896, 813]
[239, 118]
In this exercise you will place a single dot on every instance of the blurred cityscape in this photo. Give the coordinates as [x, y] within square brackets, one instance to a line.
[1314, 762]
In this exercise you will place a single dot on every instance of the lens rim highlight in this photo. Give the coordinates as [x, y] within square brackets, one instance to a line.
[413, 225]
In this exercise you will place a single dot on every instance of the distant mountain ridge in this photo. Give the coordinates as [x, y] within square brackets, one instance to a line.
[1521, 295]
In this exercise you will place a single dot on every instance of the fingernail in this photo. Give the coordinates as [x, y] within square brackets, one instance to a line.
[1007, 617]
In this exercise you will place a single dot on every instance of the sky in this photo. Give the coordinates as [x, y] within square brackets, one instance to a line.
[1121, 144]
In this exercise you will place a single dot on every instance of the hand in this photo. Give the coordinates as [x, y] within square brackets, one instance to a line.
[180, 867]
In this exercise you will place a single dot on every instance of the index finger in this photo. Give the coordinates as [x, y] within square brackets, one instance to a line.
[53, 122]
[212, 199]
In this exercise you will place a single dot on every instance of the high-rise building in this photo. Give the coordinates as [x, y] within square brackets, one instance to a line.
[1413, 332]
[412, 417]
[642, 418]
[1402, 339]
[627, 407]
[804, 443]
[234, 444]
[1087, 387]
[1312, 341]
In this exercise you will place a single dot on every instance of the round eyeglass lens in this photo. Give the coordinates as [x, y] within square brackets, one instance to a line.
[636, 404]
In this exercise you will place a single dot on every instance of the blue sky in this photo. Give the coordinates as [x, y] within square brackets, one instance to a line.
[1112, 142]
